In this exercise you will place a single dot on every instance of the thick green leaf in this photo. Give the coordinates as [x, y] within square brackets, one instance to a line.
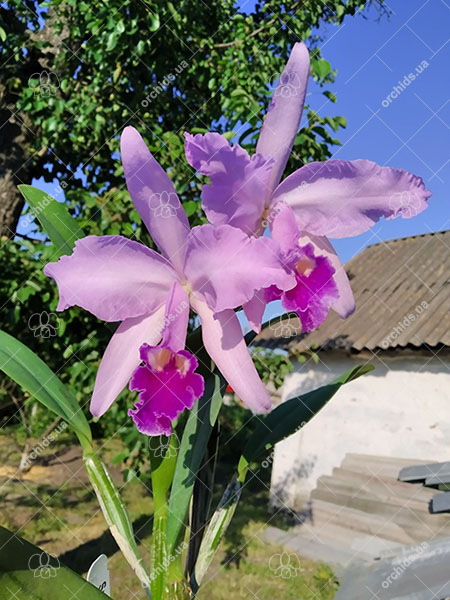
[116, 514]
[158, 557]
[29, 573]
[215, 531]
[163, 456]
[280, 423]
[56, 221]
[192, 449]
[201, 501]
[290, 416]
[34, 377]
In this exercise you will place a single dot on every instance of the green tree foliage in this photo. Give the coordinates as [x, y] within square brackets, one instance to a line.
[74, 74]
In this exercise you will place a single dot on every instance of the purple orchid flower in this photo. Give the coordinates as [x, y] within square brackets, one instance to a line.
[167, 384]
[336, 198]
[212, 270]
[315, 289]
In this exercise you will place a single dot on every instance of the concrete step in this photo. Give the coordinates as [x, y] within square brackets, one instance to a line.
[377, 490]
[326, 514]
[416, 573]
[362, 545]
[338, 558]
[339, 492]
[411, 516]
[386, 466]
[384, 485]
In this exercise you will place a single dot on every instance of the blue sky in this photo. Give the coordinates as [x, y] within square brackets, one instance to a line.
[412, 132]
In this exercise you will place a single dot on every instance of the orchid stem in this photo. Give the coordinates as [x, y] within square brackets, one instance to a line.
[163, 458]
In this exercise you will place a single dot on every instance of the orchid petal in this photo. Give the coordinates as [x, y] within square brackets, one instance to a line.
[340, 198]
[167, 385]
[254, 310]
[238, 183]
[282, 120]
[283, 226]
[224, 342]
[315, 290]
[176, 318]
[225, 267]
[121, 358]
[112, 277]
[345, 304]
[154, 197]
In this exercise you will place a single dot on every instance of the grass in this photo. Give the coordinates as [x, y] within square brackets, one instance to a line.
[60, 514]
[259, 576]
[256, 577]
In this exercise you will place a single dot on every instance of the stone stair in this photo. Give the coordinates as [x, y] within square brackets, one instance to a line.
[361, 512]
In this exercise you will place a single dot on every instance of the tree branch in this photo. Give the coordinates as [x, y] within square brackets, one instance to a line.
[257, 31]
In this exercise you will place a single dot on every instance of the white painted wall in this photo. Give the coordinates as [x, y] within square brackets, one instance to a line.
[401, 409]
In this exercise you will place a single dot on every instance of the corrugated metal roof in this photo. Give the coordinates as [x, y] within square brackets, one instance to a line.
[402, 293]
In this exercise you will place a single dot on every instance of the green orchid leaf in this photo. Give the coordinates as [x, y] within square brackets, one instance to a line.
[277, 425]
[116, 514]
[35, 377]
[163, 456]
[215, 531]
[290, 416]
[192, 449]
[55, 219]
[29, 573]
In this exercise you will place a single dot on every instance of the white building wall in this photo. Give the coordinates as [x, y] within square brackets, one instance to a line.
[401, 409]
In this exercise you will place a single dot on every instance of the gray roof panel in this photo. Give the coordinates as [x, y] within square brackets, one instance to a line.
[402, 293]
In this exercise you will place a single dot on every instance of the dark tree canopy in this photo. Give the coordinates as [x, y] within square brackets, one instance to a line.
[75, 73]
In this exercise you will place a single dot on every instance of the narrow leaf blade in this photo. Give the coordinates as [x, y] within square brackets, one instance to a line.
[29, 573]
[192, 448]
[116, 514]
[54, 217]
[215, 531]
[280, 423]
[163, 456]
[290, 416]
[35, 377]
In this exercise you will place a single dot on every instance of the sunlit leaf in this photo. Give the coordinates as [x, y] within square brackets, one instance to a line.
[29, 573]
[291, 415]
[35, 377]
[55, 219]
[192, 449]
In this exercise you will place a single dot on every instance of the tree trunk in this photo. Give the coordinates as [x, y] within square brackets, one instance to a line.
[14, 169]
[11, 203]
[18, 161]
